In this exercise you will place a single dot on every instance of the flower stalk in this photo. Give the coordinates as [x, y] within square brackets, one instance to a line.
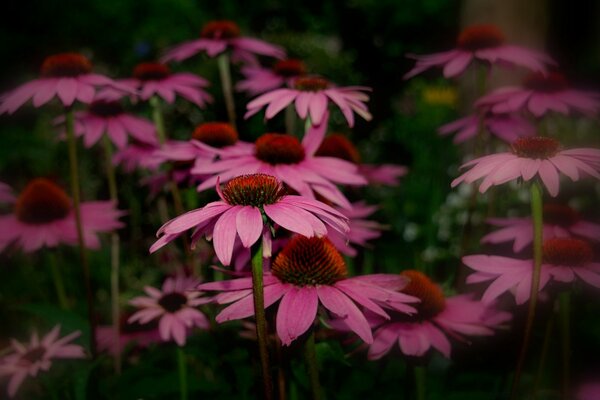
[312, 366]
[59, 285]
[225, 75]
[75, 193]
[564, 310]
[420, 382]
[261, 322]
[182, 371]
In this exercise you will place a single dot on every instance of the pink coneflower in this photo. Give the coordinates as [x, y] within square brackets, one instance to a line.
[540, 94]
[174, 306]
[246, 203]
[292, 162]
[437, 319]
[311, 96]
[260, 80]
[43, 216]
[507, 127]
[6, 194]
[309, 271]
[589, 391]
[154, 79]
[530, 157]
[361, 229]
[339, 146]
[28, 359]
[130, 335]
[217, 37]
[67, 76]
[559, 221]
[109, 117]
[483, 43]
[138, 155]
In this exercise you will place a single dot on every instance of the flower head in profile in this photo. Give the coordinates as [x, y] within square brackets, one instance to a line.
[507, 127]
[28, 359]
[155, 79]
[174, 306]
[43, 216]
[248, 205]
[289, 160]
[531, 157]
[559, 221]
[67, 76]
[104, 117]
[339, 146]
[259, 79]
[138, 155]
[311, 96]
[217, 37]
[306, 273]
[438, 319]
[483, 43]
[540, 94]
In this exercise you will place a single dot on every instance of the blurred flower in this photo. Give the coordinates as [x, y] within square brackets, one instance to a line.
[559, 221]
[484, 43]
[339, 146]
[138, 155]
[507, 127]
[290, 161]
[539, 94]
[589, 391]
[174, 306]
[361, 229]
[6, 194]
[259, 79]
[438, 318]
[532, 156]
[67, 76]
[311, 96]
[108, 117]
[309, 271]
[241, 214]
[43, 216]
[27, 359]
[219, 36]
[154, 79]
[129, 334]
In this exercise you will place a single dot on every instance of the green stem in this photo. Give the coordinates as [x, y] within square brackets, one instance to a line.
[158, 119]
[307, 124]
[182, 368]
[58, 282]
[259, 311]
[225, 74]
[537, 217]
[420, 382]
[565, 334]
[545, 347]
[312, 366]
[75, 193]
[290, 119]
[115, 245]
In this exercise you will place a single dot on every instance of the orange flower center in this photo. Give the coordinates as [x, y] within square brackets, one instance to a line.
[289, 68]
[222, 29]
[479, 37]
[279, 148]
[253, 190]
[104, 108]
[66, 65]
[309, 261]
[339, 146]
[151, 71]
[34, 355]
[311, 83]
[568, 252]
[535, 147]
[41, 202]
[172, 302]
[548, 83]
[216, 134]
[432, 298]
[559, 214]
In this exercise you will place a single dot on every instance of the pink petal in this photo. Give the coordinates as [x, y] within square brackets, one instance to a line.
[249, 225]
[224, 235]
[296, 313]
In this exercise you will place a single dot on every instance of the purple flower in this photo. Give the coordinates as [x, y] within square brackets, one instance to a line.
[507, 127]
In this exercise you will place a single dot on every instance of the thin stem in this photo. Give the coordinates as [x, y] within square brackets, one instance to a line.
[63, 301]
[225, 74]
[537, 217]
[158, 119]
[420, 382]
[565, 335]
[115, 245]
[281, 383]
[307, 124]
[545, 347]
[75, 193]
[182, 369]
[312, 366]
[259, 312]
[290, 119]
